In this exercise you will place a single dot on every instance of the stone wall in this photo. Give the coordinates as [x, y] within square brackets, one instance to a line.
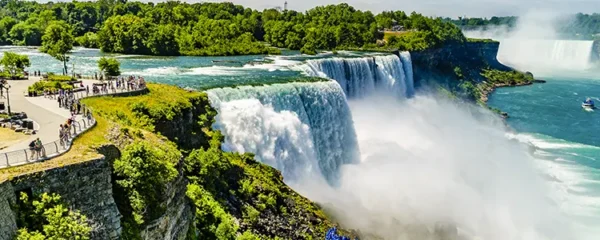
[8, 223]
[85, 187]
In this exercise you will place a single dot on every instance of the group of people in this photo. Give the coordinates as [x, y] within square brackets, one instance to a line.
[66, 99]
[37, 150]
[129, 83]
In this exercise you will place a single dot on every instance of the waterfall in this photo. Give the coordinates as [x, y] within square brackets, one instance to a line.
[302, 129]
[358, 77]
[533, 54]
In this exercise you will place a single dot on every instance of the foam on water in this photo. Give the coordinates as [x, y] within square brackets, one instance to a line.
[316, 113]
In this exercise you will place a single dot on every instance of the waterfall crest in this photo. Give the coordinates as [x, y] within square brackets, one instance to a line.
[535, 54]
[359, 77]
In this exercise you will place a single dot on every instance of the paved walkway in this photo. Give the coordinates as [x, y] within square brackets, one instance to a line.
[44, 111]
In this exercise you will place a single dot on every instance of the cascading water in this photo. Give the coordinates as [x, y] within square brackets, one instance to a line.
[537, 54]
[427, 168]
[302, 129]
[361, 76]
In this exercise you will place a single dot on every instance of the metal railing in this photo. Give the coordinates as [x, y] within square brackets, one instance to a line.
[58, 147]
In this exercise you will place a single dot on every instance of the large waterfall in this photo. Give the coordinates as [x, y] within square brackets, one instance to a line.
[539, 54]
[361, 76]
[302, 129]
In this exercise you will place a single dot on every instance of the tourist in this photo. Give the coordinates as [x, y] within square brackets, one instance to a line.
[61, 136]
[41, 152]
[87, 90]
[32, 149]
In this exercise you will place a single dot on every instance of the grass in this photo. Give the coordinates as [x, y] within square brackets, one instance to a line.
[481, 40]
[388, 34]
[10, 137]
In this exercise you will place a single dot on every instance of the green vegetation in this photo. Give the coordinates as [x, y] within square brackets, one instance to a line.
[479, 40]
[110, 66]
[509, 78]
[478, 91]
[39, 87]
[210, 29]
[419, 32]
[484, 23]
[47, 217]
[59, 78]
[88, 40]
[233, 194]
[14, 64]
[58, 42]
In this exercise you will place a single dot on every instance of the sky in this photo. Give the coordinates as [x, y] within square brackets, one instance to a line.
[441, 8]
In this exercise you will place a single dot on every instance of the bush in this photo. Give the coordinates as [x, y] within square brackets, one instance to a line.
[110, 66]
[507, 77]
[53, 77]
[144, 170]
[48, 218]
[41, 86]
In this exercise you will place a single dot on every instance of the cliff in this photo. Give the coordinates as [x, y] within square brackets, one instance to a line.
[437, 65]
[85, 186]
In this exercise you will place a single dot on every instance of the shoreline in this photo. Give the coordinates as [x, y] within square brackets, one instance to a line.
[489, 89]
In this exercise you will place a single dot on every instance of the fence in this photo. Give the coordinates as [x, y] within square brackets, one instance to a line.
[58, 147]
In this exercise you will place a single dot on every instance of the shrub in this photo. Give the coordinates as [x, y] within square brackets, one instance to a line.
[145, 169]
[48, 218]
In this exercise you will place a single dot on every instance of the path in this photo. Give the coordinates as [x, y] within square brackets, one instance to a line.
[44, 111]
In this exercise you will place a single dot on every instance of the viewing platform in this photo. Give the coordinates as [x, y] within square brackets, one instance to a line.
[47, 116]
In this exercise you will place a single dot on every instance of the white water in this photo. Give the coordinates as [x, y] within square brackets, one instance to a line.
[544, 54]
[360, 77]
[427, 169]
[303, 129]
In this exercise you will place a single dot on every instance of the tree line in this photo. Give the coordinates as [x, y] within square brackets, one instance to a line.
[209, 29]
[575, 26]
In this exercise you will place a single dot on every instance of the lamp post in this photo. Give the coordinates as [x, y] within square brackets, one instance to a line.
[8, 99]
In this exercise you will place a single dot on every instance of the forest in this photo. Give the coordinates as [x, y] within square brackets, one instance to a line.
[209, 29]
[576, 26]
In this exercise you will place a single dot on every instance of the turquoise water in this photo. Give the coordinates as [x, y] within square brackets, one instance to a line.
[184, 71]
[566, 137]
[194, 72]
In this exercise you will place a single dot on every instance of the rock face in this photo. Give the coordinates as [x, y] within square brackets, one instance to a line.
[438, 64]
[85, 187]
[177, 219]
[8, 222]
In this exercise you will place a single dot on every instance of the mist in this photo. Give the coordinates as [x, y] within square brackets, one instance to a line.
[434, 169]
[536, 45]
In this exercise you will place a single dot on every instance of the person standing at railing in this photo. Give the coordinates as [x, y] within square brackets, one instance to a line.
[61, 136]
[32, 149]
[41, 152]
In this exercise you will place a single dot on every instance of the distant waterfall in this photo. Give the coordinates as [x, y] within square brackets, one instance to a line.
[360, 76]
[535, 54]
[302, 129]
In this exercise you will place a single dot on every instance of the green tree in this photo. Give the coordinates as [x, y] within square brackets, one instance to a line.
[6, 25]
[88, 40]
[110, 66]
[58, 42]
[14, 63]
[54, 220]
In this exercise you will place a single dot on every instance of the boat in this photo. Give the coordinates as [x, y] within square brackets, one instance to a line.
[588, 103]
